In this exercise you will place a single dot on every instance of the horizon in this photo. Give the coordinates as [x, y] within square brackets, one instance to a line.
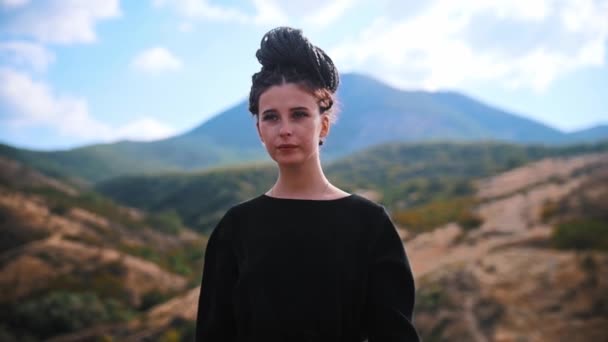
[145, 71]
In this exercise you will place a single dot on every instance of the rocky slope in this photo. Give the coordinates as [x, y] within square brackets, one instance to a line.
[49, 244]
[503, 281]
[500, 282]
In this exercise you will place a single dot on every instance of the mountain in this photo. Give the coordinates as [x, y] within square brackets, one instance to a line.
[589, 135]
[371, 113]
[375, 113]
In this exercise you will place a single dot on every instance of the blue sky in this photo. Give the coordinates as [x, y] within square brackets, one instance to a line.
[75, 72]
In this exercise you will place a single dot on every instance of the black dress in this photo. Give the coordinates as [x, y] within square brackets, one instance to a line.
[306, 270]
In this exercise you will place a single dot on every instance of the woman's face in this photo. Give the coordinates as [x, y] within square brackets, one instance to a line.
[290, 124]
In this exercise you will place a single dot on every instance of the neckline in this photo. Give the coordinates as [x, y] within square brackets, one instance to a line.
[306, 199]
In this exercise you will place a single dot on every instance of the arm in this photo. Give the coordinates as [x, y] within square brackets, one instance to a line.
[215, 319]
[391, 289]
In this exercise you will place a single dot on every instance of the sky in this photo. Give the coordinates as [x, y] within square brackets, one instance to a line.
[78, 72]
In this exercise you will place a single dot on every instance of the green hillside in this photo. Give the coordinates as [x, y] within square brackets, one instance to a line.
[200, 199]
[104, 161]
[406, 175]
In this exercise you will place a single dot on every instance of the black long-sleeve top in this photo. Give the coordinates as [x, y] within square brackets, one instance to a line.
[306, 270]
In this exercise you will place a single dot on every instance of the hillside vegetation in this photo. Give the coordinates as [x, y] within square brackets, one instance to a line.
[581, 218]
[71, 258]
[408, 178]
[493, 232]
[476, 283]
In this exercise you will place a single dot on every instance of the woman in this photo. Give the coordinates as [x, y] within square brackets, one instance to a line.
[306, 261]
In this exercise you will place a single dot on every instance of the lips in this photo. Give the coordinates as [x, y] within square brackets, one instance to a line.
[287, 146]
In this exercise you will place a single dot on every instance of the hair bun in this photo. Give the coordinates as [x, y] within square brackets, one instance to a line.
[287, 47]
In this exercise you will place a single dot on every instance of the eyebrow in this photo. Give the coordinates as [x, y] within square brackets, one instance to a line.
[272, 110]
[298, 108]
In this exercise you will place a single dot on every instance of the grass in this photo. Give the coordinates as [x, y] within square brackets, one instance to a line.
[426, 217]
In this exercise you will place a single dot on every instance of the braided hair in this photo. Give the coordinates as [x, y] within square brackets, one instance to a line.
[288, 57]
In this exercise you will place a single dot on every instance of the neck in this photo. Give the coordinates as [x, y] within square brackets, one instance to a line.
[301, 180]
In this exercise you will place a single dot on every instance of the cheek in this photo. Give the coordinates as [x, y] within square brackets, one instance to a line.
[307, 131]
[316, 128]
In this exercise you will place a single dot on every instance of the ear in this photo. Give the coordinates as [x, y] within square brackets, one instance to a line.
[325, 125]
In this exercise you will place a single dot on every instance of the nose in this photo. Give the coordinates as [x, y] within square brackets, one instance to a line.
[285, 129]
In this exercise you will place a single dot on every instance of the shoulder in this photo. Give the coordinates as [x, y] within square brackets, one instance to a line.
[377, 216]
[247, 206]
[365, 202]
[236, 212]
[360, 209]
[241, 212]
[366, 206]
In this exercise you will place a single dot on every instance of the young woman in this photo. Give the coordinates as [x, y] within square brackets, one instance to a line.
[306, 261]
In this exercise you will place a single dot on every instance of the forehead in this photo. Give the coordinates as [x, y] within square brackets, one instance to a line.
[287, 95]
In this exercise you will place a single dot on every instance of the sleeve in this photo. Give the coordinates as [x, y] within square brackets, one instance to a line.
[215, 320]
[391, 289]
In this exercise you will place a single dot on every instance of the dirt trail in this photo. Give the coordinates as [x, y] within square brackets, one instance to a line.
[511, 220]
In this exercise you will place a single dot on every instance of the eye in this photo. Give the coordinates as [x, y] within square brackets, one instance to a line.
[300, 114]
[269, 117]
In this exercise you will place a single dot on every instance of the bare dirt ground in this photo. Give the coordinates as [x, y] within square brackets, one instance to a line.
[533, 293]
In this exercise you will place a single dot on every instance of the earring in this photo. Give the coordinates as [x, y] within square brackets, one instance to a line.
[320, 142]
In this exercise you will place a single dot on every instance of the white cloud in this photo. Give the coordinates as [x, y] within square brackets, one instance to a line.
[60, 21]
[310, 13]
[330, 13]
[156, 59]
[186, 27]
[13, 3]
[317, 13]
[516, 43]
[144, 129]
[31, 103]
[202, 9]
[268, 12]
[26, 54]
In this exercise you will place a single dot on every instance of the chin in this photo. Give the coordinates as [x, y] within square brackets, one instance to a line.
[290, 161]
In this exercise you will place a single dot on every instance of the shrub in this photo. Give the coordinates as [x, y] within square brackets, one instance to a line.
[549, 210]
[171, 335]
[429, 216]
[152, 298]
[431, 298]
[106, 280]
[581, 234]
[166, 222]
[62, 312]
[60, 208]
[16, 231]
[183, 328]
[469, 220]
